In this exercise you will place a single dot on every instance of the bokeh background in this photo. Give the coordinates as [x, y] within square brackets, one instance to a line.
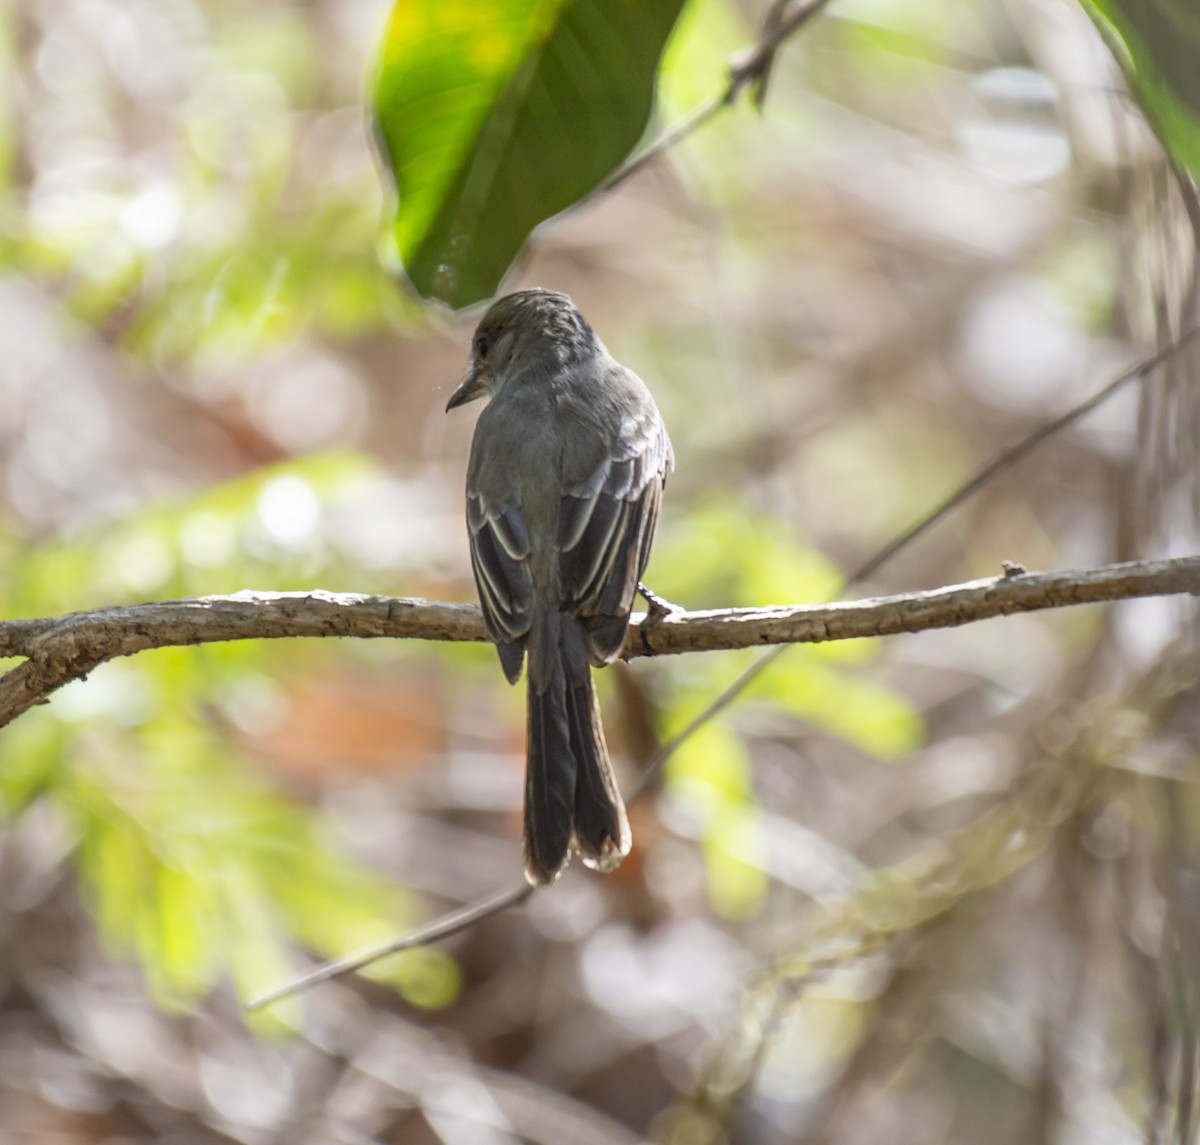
[935, 888]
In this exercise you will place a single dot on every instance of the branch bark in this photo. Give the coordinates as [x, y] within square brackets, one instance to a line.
[58, 650]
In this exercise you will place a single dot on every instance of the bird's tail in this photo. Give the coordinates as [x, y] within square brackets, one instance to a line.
[571, 796]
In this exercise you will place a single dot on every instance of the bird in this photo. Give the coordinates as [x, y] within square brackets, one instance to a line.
[565, 479]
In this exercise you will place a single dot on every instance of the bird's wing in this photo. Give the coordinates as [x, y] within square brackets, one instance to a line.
[500, 560]
[606, 525]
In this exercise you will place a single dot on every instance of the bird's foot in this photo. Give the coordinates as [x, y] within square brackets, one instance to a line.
[657, 610]
[658, 606]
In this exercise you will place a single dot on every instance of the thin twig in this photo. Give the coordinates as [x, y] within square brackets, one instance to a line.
[754, 68]
[695, 118]
[450, 924]
[1016, 452]
[713, 709]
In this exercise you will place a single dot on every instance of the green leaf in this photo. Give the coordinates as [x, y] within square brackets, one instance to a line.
[1157, 44]
[495, 115]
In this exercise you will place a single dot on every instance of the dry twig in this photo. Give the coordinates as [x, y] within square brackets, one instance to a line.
[753, 70]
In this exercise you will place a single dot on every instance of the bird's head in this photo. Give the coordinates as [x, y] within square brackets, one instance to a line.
[530, 333]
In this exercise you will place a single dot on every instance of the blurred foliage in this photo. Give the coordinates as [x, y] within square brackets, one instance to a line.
[243, 246]
[1157, 43]
[258, 232]
[950, 865]
[189, 857]
[265, 527]
[497, 114]
[691, 562]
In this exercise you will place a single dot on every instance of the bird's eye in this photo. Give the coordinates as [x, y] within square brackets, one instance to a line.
[482, 345]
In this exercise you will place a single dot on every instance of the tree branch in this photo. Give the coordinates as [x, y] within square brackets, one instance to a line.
[950, 607]
[65, 648]
[751, 70]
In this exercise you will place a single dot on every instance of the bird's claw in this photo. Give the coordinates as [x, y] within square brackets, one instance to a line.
[657, 609]
[658, 606]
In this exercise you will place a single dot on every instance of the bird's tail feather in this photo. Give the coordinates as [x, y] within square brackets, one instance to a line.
[571, 796]
[601, 831]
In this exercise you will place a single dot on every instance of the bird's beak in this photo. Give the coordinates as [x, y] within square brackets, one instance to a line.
[470, 388]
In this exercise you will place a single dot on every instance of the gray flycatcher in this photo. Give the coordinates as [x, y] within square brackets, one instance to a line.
[564, 484]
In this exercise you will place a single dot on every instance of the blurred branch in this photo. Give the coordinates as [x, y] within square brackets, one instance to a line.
[450, 924]
[751, 70]
[754, 68]
[61, 649]
[1016, 452]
